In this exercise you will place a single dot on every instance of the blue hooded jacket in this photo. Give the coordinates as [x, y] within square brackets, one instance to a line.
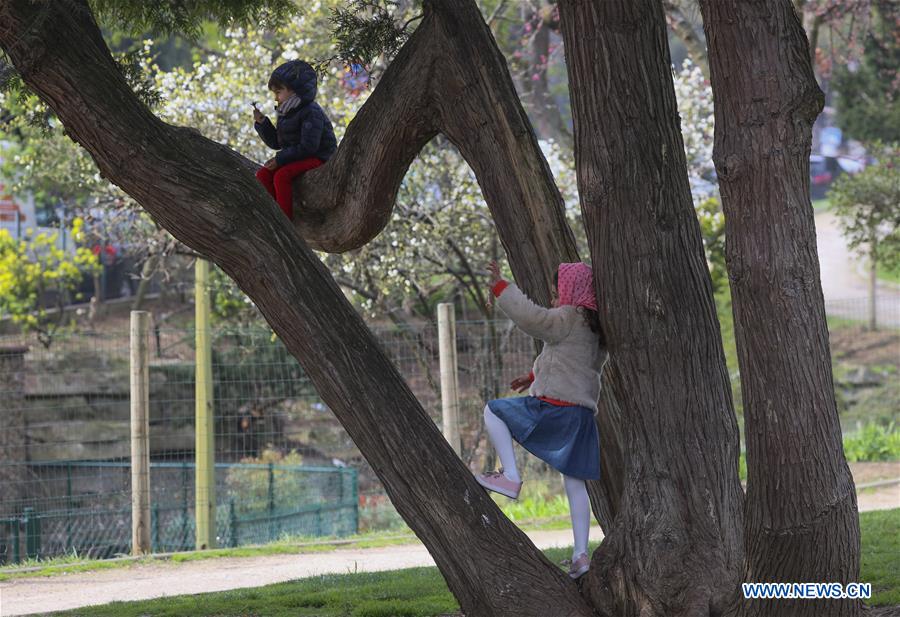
[305, 131]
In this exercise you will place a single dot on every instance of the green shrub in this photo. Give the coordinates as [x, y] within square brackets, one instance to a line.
[875, 442]
[541, 498]
[250, 486]
[377, 513]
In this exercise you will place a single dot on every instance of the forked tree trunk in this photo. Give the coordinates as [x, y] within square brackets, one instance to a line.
[675, 547]
[199, 191]
[801, 516]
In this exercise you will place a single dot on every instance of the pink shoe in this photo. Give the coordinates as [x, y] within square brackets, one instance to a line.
[580, 566]
[497, 482]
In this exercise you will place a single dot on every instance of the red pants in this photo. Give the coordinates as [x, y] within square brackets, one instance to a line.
[279, 183]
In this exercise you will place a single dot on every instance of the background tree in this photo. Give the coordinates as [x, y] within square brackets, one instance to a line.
[868, 86]
[867, 205]
[36, 275]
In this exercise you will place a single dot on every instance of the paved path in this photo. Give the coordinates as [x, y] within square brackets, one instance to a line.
[160, 579]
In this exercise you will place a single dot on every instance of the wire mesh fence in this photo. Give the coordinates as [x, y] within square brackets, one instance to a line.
[84, 508]
[859, 310]
[281, 456]
[284, 465]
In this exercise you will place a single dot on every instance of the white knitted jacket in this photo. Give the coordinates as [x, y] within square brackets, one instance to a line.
[572, 360]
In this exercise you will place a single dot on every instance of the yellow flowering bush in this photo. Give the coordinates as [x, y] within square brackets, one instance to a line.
[36, 273]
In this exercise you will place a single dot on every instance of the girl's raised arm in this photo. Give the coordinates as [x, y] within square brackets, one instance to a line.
[549, 325]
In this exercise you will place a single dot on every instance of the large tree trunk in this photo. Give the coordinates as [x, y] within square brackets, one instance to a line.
[205, 196]
[675, 547]
[801, 516]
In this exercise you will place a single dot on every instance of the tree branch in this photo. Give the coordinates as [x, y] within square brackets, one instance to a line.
[224, 213]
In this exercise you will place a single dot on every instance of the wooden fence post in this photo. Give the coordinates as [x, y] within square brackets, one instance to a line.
[449, 374]
[204, 452]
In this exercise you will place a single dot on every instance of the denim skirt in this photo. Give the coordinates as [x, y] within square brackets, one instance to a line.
[565, 438]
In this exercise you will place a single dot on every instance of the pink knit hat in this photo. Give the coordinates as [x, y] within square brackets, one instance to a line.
[576, 285]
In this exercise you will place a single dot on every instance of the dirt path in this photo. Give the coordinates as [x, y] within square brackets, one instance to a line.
[141, 582]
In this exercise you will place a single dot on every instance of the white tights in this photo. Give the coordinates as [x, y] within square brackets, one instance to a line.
[576, 490]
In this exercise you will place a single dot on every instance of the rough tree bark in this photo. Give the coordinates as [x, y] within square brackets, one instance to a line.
[675, 547]
[222, 212]
[801, 515]
[434, 85]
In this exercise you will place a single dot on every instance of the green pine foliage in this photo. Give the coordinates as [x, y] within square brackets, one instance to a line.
[177, 17]
[868, 95]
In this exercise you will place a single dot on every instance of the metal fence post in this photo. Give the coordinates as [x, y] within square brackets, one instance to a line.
[355, 486]
[449, 374]
[183, 540]
[68, 505]
[32, 534]
[271, 502]
[140, 433]
[17, 549]
[154, 539]
[232, 524]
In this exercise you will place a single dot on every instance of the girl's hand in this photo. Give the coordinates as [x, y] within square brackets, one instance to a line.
[494, 271]
[520, 384]
[271, 164]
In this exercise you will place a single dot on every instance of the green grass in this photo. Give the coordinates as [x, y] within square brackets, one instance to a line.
[880, 563]
[890, 275]
[538, 504]
[413, 592]
[421, 592]
[821, 205]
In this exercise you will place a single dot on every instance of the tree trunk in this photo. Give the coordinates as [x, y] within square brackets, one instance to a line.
[221, 211]
[433, 85]
[606, 493]
[675, 546]
[873, 279]
[801, 516]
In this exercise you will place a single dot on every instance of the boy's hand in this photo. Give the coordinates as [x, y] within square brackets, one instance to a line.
[520, 384]
[271, 164]
[258, 116]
